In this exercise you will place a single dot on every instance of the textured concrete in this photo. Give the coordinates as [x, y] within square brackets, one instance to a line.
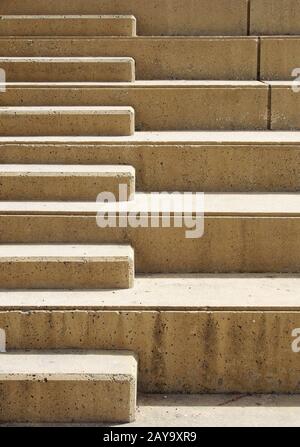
[210, 345]
[234, 240]
[285, 110]
[63, 182]
[66, 120]
[155, 57]
[178, 161]
[187, 292]
[274, 17]
[68, 386]
[211, 410]
[154, 17]
[279, 56]
[159, 105]
[227, 410]
[85, 69]
[66, 266]
[74, 25]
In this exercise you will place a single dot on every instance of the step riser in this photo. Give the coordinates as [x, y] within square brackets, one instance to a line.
[15, 397]
[69, 124]
[80, 274]
[68, 386]
[177, 108]
[60, 187]
[285, 108]
[32, 71]
[229, 244]
[274, 17]
[166, 167]
[68, 27]
[279, 57]
[175, 58]
[193, 17]
[187, 352]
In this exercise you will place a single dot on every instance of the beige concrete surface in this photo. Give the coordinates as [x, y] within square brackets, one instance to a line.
[178, 161]
[62, 69]
[274, 17]
[180, 351]
[227, 410]
[66, 266]
[159, 105]
[82, 386]
[212, 410]
[71, 25]
[79, 120]
[64, 182]
[239, 292]
[193, 17]
[155, 57]
[279, 56]
[285, 110]
[241, 234]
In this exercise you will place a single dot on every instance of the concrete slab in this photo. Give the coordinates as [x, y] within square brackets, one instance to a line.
[62, 69]
[64, 182]
[241, 234]
[212, 161]
[81, 120]
[239, 348]
[194, 17]
[240, 292]
[155, 57]
[279, 57]
[66, 266]
[159, 105]
[285, 99]
[274, 17]
[45, 386]
[67, 25]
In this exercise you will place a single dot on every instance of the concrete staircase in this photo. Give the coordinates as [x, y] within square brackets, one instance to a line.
[200, 100]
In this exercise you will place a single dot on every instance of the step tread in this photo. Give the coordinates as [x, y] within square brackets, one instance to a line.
[67, 365]
[165, 137]
[67, 110]
[59, 252]
[218, 204]
[66, 59]
[232, 137]
[171, 292]
[65, 16]
[142, 84]
[43, 169]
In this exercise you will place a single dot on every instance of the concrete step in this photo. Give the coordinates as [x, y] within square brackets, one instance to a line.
[274, 17]
[285, 98]
[67, 25]
[242, 232]
[159, 105]
[39, 121]
[155, 57]
[62, 69]
[192, 334]
[217, 410]
[68, 386]
[191, 17]
[279, 58]
[177, 161]
[58, 266]
[64, 182]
